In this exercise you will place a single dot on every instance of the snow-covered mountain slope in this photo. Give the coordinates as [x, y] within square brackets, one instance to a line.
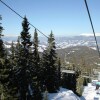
[62, 42]
[68, 48]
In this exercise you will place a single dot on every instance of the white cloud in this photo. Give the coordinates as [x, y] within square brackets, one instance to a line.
[90, 34]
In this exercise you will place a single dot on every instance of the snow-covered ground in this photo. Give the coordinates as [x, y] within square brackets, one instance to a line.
[63, 94]
[90, 93]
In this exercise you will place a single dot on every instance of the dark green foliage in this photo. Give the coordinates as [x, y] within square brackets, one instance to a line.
[37, 93]
[2, 51]
[59, 72]
[50, 66]
[85, 82]
[88, 80]
[1, 28]
[4, 70]
[45, 67]
[74, 82]
[64, 81]
[12, 56]
[22, 71]
[12, 86]
[69, 81]
[36, 69]
[36, 58]
[18, 49]
[25, 36]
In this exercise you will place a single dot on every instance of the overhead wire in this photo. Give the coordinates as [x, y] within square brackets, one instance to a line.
[87, 8]
[22, 17]
[11, 9]
[28, 21]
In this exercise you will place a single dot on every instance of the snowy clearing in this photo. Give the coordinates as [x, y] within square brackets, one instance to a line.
[90, 93]
[63, 94]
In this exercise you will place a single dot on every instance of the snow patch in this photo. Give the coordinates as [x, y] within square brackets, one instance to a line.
[94, 48]
[97, 63]
[90, 93]
[7, 46]
[63, 94]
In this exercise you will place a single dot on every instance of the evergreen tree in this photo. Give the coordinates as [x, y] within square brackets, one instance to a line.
[59, 71]
[12, 79]
[2, 50]
[18, 49]
[2, 53]
[36, 58]
[36, 69]
[1, 28]
[22, 72]
[45, 67]
[50, 66]
[12, 56]
[4, 69]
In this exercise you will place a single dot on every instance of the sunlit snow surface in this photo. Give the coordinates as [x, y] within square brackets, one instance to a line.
[63, 94]
[90, 93]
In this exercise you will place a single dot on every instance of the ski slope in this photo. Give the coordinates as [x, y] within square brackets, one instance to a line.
[90, 92]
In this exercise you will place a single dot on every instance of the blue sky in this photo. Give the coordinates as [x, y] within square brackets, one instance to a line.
[63, 17]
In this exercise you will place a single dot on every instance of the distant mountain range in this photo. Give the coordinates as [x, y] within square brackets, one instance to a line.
[72, 49]
[62, 42]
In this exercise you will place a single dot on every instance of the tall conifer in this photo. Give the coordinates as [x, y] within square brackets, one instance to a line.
[4, 69]
[22, 71]
[50, 65]
[36, 69]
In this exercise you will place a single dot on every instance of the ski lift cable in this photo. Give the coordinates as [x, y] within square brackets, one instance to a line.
[22, 17]
[87, 8]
